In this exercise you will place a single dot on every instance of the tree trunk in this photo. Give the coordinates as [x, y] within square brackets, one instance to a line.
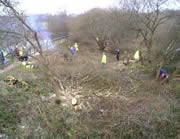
[149, 49]
[101, 45]
[141, 58]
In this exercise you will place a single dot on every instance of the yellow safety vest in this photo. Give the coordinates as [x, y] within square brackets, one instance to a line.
[23, 63]
[5, 54]
[103, 61]
[29, 66]
[76, 47]
[21, 53]
[29, 63]
[136, 55]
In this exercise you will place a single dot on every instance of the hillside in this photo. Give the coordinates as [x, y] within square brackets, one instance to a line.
[116, 101]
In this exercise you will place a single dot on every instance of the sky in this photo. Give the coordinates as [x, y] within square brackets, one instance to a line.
[73, 6]
[55, 6]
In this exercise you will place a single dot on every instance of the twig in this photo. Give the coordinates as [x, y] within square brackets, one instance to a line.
[44, 117]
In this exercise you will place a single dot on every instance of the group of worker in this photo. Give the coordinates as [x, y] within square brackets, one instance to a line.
[23, 57]
[74, 49]
[20, 54]
[162, 74]
[29, 65]
[137, 56]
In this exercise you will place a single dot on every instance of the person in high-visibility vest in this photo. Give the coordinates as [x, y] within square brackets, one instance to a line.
[21, 52]
[2, 57]
[137, 55]
[21, 55]
[28, 65]
[5, 55]
[76, 47]
[103, 60]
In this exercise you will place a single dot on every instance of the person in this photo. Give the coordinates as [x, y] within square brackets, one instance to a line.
[72, 50]
[103, 60]
[137, 55]
[21, 55]
[76, 47]
[29, 65]
[162, 75]
[2, 57]
[25, 57]
[5, 55]
[117, 55]
[17, 51]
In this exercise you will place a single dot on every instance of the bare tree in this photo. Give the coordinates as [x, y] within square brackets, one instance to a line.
[31, 36]
[58, 24]
[146, 17]
[169, 46]
[96, 25]
[120, 28]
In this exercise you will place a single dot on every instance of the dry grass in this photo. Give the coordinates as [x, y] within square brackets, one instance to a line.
[134, 117]
[123, 103]
[85, 69]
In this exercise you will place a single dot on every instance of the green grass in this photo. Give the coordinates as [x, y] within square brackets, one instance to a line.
[48, 120]
[9, 110]
[176, 90]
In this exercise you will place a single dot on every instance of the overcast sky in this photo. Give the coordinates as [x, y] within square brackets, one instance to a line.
[71, 6]
[54, 6]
